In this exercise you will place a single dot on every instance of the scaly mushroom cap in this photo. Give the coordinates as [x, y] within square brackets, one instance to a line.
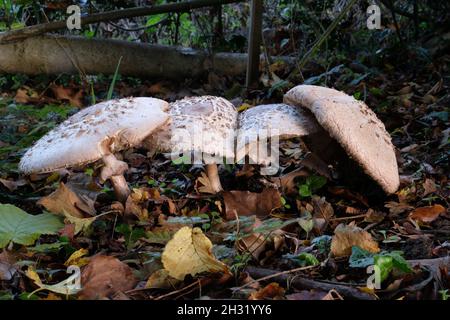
[86, 136]
[272, 120]
[200, 124]
[355, 127]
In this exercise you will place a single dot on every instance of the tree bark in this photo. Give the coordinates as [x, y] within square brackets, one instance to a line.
[58, 54]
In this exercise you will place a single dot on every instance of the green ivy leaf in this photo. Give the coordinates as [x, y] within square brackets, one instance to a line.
[386, 265]
[305, 191]
[360, 258]
[316, 182]
[20, 227]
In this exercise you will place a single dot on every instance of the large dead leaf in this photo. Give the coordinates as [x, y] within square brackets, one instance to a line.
[246, 203]
[74, 97]
[427, 214]
[104, 276]
[190, 252]
[65, 200]
[26, 95]
[347, 236]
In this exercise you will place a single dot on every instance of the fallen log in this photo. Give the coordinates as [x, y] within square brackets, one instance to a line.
[71, 55]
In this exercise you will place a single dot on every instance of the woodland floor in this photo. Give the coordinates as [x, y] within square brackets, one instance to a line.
[293, 230]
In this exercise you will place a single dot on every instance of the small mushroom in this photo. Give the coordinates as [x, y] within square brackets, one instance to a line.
[203, 126]
[94, 133]
[280, 121]
[355, 127]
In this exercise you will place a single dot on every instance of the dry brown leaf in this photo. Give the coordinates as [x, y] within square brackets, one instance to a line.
[203, 184]
[347, 236]
[287, 181]
[12, 185]
[428, 187]
[271, 291]
[74, 97]
[247, 203]
[104, 276]
[427, 214]
[396, 208]
[64, 199]
[254, 244]
[7, 268]
[160, 279]
[190, 252]
[26, 95]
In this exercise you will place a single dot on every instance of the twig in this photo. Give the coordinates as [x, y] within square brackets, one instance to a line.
[274, 275]
[345, 291]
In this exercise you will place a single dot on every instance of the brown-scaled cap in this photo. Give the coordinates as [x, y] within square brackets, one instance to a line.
[355, 127]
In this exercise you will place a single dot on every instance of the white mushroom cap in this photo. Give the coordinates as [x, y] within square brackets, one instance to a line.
[355, 127]
[200, 124]
[271, 120]
[95, 131]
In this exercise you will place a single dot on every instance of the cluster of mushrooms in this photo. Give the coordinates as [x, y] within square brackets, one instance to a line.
[317, 114]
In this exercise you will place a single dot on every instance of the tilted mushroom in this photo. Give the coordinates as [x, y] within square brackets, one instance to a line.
[94, 133]
[355, 127]
[272, 121]
[204, 127]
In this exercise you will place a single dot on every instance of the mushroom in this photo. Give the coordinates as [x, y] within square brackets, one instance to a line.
[203, 127]
[274, 121]
[355, 127]
[94, 133]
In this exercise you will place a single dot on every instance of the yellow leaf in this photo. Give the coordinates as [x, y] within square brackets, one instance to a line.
[190, 252]
[76, 258]
[81, 224]
[347, 236]
[65, 287]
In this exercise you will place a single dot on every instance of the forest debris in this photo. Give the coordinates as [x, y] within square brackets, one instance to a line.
[246, 203]
[306, 283]
[12, 185]
[347, 236]
[160, 279]
[65, 287]
[65, 200]
[428, 187]
[190, 252]
[272, 291]
[104, 276]
[7, 268]
[75, 97]
[78, 258]
[427, 214]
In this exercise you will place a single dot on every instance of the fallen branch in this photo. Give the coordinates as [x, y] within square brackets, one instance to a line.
[303, 283]
[39, 29]
[71, 55]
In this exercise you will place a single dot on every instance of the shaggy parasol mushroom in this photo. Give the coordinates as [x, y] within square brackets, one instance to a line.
[203, 126]
[280, 121]
[94, 133]
[355, 127]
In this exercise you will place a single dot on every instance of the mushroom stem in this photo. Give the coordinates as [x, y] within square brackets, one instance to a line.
[213, 176]
[113, 170]
[121, 188]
